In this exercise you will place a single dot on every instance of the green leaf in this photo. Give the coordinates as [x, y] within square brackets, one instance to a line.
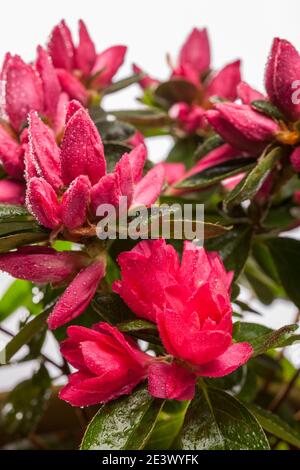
[19, 294]
[112, 309]
[121, 84]
[25, 404]
[141, 329]
[234, 247]
[143, 118]
[262, 338]
[265, 107]
[183, 151]
[173, 91]
[253, 181]
[11, 213]
[275, 425]
[25, 335]
[208, 145]
[216, 174]
[285, 253]
[10, 242]
[168, 425]
[123, 424]
[217, 421]
[113, 152]
[116, 131]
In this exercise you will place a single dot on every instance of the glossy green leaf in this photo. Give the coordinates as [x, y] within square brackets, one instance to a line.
[262, 338]
[275, 425]
[253, 181]
[25, 335]
[112, 309]
[267, 108]
[217, 421]
[143, 118]
[234, 247]
[25, 404]
[113, 152]
[183, 151]
[171, 92]
[116, 131]
[168, 425]
[19, 294]
[208, 145]
[10, 242]
[217, 173]
[121, 84]
[285, 253]
[123, 424]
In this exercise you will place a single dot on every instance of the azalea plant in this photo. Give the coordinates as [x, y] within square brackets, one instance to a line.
[156, 349]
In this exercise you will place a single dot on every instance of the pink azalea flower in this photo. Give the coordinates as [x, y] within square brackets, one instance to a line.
[190, 303]
[77, 171]
[190, 116]
[80, 68]
[242, 127]
[108, 365]
[42, 264]
[283, 69]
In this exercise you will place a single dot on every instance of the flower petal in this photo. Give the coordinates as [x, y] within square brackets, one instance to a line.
[107, 64]
[72, 86]
[171, 381]
[78, 295]
[85, 54]
[195, 52]
[147, 191]
[235, 356]
[50, 83]
[82, 149]
[42, 202]
[75, 202]
[224, 83]
[61, 47]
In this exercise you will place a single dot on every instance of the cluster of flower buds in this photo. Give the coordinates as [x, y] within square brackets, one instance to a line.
[194, 66]
[189, 303]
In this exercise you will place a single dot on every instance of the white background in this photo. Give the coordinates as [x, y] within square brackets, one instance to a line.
[150, 29]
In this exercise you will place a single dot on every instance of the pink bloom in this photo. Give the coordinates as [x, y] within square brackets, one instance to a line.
[42, 265]
[190, 302]
[108, 365]
[242, 127]
[195, 52]
[191, 117]
[127, 180]
[81, 68]
[283, 69]
[147, 81]
[12, 192]
[78, 294]
[64, 182]
[151, 262]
